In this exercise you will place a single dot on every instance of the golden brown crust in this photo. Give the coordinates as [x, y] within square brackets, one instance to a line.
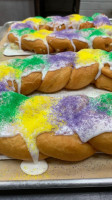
[68, 148]
[104, 82]
[60, 45]
[86, 25]
[66, 77]
[15, 147]
[29, 83]
[82, 77]
[55, 80]
[12, 38]
[54, 45]
[62, 26]
[102, 43]
[102, 143]
[80, 45]
[37, 46]
[106, 70]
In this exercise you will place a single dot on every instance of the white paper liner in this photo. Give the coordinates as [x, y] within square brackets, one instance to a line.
[2, 157]
[14, 52]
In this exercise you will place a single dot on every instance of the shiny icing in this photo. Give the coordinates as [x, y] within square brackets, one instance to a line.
[85, 35]
[86, 116]
[73, 20]
[15, 69]
[34, 168]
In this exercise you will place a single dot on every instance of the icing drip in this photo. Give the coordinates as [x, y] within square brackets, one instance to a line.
[34, 169]
[100, 19]
[15, 69]
[73, 20]
[84, 35]
[83, 115]
[18, 33]
[92, 120]
[88, 57]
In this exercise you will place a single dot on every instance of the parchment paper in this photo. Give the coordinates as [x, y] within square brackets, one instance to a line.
[97, 166]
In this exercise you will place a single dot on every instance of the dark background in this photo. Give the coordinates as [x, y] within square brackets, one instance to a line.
[59, 194]
[15, 10]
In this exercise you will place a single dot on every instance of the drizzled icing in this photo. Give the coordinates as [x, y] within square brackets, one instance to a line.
[34, 168]
[73, 21]
[15, 69]
[30, 117]
[86, 35]
[100, 19]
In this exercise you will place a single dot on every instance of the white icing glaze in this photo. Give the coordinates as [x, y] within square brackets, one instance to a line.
[15, 52]
[34, 168]
[73, 45]
[9, 131]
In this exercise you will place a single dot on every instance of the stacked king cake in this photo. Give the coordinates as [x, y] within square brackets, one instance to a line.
[71, 53]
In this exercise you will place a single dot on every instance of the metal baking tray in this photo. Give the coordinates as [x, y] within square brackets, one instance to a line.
[50, 184]
[58, 183]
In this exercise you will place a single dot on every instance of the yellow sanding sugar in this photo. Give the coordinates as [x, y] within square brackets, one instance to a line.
[41, 34]
[106, 27]
[35, 117]
[75, 17]
[6, 71]
[88, 56]
[34, 19]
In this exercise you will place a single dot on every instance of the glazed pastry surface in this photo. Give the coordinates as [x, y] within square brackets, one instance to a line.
[46, 41]
[58, 22]
[47, 124]
[51, 73]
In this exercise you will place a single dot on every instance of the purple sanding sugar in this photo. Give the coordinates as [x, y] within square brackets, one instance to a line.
[69, 34]
[101, 21]
[81, 115]
[3, 87]
[27, 24]
[59, 19]
[62, 59]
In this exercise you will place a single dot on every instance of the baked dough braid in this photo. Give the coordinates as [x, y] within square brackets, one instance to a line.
[59, 23]
[69, 128]
[51, 73]
[44, 41]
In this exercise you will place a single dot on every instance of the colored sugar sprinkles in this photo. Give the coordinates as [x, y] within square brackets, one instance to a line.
[15, 69]
[86, 116]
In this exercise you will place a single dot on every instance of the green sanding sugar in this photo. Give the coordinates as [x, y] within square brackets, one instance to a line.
[9, 103]
[96, 32]
[95, 15]
[29, 63]
[110, 56]
[104, 103]
[47, 19]
[38, 17]
[85, 19]
[20, 32]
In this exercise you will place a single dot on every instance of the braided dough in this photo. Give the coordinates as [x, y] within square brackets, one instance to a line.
[44, 41]
[59, 23]
[71, 128]
[51, 73]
